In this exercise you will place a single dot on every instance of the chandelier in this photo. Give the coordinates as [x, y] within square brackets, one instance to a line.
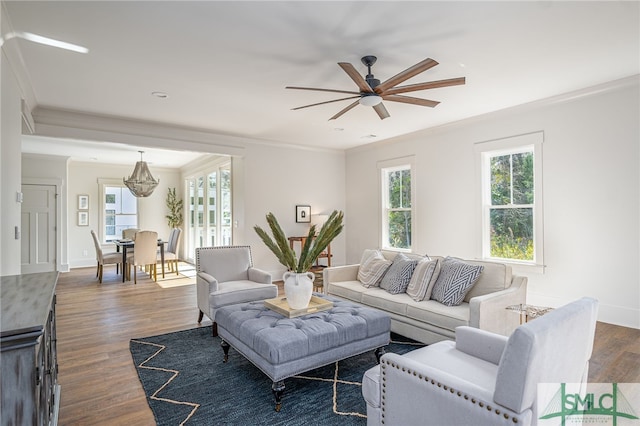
[141, 183]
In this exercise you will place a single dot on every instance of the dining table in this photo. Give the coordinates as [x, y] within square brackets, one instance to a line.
[126, 244]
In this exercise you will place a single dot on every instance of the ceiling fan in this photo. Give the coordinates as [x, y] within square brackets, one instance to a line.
[372, 92]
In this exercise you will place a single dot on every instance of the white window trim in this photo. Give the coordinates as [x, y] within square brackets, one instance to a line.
[102, 183]
[384, 166]
[510, 145]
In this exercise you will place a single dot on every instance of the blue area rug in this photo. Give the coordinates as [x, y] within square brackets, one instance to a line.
[187, 383]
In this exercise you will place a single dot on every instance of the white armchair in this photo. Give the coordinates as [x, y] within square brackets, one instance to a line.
[483, 378]
[226, 276]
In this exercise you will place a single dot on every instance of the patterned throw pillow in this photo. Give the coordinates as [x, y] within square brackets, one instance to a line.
[423, 279]
[397, 278]
[372, 268]
[454, 282]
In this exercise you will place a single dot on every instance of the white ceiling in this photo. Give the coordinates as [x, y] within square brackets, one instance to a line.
[225, 65]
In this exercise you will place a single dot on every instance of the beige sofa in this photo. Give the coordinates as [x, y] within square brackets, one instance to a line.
[429, 321]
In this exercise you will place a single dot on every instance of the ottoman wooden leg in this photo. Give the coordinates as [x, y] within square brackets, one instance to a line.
[278, 390]
[225, 348]
[379, 352]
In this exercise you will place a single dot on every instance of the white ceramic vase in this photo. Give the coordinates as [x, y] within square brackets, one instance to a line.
[298, 288]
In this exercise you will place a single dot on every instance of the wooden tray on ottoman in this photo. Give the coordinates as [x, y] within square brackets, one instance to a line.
[316, 304]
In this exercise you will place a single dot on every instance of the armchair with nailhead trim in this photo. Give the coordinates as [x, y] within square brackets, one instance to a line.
[483, 378]
[226, 276]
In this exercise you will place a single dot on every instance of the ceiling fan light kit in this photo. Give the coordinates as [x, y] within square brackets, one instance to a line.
[372, 92]
[370, 100]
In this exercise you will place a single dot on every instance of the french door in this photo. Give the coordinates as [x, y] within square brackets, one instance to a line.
[209, 209]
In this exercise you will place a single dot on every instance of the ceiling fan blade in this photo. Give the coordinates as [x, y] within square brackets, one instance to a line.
[406, 74]
[347, 108]
[326, 102]
[410, 100]
[382, 111]
[428, 85]
[351, 92]
[356, 77]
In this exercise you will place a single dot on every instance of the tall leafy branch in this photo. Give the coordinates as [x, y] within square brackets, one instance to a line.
[313, 246]
[174, 204]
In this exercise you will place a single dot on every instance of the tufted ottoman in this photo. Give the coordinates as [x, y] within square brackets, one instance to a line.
[282, 347]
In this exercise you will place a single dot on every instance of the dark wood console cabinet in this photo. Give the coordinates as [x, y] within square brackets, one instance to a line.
[29, 392]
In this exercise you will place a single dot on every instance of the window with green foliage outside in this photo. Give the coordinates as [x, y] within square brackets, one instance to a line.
[511, 208]
[397, 208]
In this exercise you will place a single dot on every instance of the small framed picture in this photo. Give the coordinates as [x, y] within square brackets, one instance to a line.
[83, 218]
[303, 214]
[83, 202]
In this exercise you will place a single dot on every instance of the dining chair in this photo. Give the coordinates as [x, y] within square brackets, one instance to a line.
[129, 234]
[111, 258]
[144, 254]
[171, 252]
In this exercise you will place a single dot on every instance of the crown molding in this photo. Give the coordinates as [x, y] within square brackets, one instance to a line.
[61, 123]
[626, 83]
[14, 57]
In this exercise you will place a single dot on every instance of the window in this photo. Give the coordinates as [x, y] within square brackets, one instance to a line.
[397, 207]
[512, 199]
[119, 210]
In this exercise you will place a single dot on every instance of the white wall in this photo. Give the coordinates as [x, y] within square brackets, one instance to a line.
[10, 134]
[276, 179]
[83, 179]
[591, 194]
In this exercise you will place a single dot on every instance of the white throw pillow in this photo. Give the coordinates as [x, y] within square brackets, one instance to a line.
[423, 279]
[373, 269]
[369, 254]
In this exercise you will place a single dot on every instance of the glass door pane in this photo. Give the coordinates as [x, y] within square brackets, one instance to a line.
[226, 217]
[191, 218]
[212, 197]
[200, 213]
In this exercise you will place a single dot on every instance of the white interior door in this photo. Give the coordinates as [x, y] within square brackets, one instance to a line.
[38, 239]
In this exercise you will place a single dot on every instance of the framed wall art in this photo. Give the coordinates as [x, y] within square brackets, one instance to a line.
[303, 214]
[83, 218]
[83, 202]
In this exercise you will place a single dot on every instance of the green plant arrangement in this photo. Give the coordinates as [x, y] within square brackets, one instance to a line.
[174, 218]
[313, 246]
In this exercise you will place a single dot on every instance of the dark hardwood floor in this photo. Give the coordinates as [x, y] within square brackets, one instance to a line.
[96, 321]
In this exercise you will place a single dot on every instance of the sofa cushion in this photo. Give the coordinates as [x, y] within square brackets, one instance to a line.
[379, 298]
[455, 280]
[423, 279]
[397, 278]
[373, 269]
[351, 290]
[439, 315]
